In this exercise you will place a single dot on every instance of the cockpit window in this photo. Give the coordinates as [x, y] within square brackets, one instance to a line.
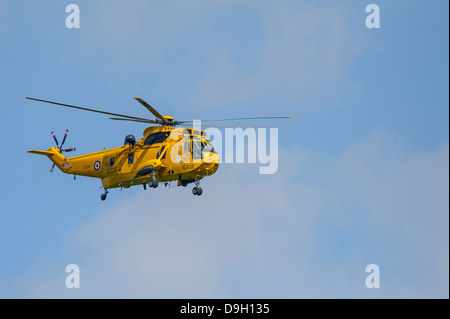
[207, 147]
[196, 149]
[187, 147]
[158, 137]
[195, 133]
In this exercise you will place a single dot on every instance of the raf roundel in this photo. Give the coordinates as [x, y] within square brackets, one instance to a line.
[97, 165]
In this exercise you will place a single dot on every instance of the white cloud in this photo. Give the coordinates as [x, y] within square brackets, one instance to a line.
[308, 231]
[296, 53]
[300, 54]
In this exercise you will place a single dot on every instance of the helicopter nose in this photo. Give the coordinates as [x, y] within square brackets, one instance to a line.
[215, 163]
[212, 163]
[215, 158]
[212, 159]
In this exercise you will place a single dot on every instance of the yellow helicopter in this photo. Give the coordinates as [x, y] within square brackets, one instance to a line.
[163, 154]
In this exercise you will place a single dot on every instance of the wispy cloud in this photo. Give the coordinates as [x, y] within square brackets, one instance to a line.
[308, 231]
[290, 54]
[300, 53]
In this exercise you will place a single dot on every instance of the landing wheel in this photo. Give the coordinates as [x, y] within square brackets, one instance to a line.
[184, 183]
[103, 196]
[197, 191]
[153, 183]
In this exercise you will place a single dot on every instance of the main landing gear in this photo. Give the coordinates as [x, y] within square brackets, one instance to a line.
[153, 183]
[103, 196]
[197, 190]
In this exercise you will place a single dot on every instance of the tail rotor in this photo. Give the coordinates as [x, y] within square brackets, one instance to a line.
[60, 146]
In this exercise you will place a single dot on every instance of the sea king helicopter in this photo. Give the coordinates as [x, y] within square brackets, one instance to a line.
[162, 155]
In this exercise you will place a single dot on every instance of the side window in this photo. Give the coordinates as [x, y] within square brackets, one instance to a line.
[160, 151]
[130, 158]
[196, 149]
[156, 138]
[111, 161]
[187, 147]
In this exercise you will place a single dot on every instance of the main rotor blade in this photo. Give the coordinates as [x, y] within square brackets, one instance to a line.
[229, 126]
[151, 109]
[242, 118]
[131, 120]
[86, 109]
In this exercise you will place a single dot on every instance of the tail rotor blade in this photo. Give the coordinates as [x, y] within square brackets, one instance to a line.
[64, 139]
[56, 140]
[60, 146]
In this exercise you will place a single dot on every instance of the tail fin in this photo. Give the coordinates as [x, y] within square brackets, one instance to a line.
[41, 152]
[53, 154]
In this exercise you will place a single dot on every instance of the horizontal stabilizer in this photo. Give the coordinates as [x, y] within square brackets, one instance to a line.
[47, 153]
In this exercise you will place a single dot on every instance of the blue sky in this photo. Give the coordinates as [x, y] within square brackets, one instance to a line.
[363, 166]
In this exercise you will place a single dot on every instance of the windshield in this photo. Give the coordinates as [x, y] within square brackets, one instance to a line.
[207, 147]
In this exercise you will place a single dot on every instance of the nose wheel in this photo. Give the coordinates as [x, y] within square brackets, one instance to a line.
[197, 190]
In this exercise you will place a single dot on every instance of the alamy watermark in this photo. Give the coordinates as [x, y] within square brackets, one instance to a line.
[73, 279]
[373, 279]
[73, 19]
[373, 19]
[238, 145]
